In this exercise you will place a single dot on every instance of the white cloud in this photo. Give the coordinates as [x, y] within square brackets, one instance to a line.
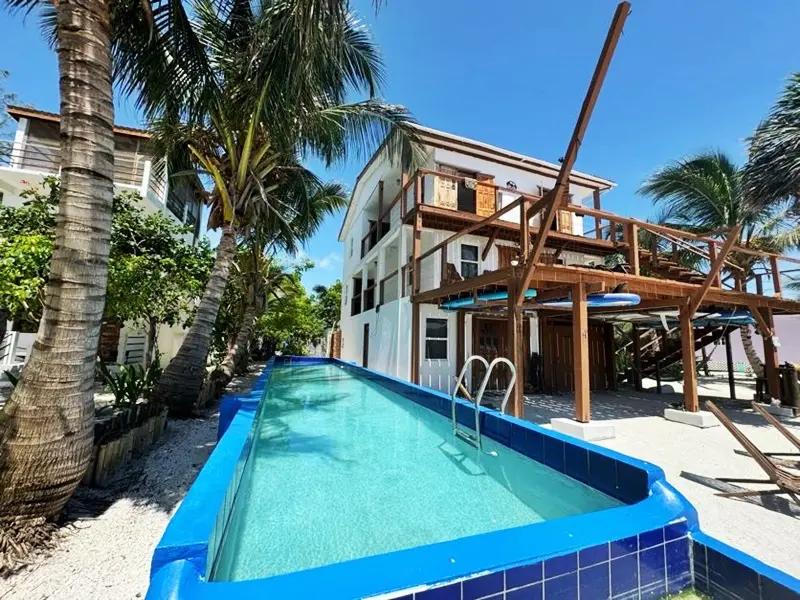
[330, 261]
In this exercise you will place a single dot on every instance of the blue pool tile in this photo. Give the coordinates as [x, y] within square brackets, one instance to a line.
[603, 473]
[498, 429]
[576, 461]
[447, 592]
[560, 565]
[624, 546]
[771, 590]
[654, 591]
[518, 439]
[554, 453]
[535, 445]
[592, 556]
[679, 572]
[594, 582]
[730, 575]
[648, 539]
[624, 575]
[465, 416]
[631, 483]
[652, 567]
[530, 592]
[677, 530]
[524, 575]
[480, 587]
[562, 588]
[409, 597]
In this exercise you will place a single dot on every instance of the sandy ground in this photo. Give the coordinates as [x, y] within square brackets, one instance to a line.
[110, 534]
[768, 529]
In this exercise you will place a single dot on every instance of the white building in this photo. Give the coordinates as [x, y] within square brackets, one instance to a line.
[462, 181]
[34, 153]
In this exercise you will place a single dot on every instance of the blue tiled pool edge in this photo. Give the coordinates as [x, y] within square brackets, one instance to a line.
[655, 537]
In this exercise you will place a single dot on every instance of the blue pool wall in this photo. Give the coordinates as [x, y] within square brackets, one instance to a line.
[654, 548]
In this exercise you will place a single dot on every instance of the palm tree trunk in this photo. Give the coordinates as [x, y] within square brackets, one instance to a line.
[152, 340]
[46, 428]
[750, 351]
[182, 381]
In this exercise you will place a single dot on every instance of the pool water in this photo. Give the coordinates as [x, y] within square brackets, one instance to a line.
[342, 468]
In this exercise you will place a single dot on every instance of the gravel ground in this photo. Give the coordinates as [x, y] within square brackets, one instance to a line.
[110, 534]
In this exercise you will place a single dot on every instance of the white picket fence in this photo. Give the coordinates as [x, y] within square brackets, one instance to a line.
[15, 348]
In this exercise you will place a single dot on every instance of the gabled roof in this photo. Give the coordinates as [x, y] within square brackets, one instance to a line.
[449, 141]
[19, 112]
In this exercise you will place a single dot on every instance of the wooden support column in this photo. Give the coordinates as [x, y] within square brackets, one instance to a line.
[776, 276]
[596, 202]
[415, 307]
[611, 363]
[580, 350]
[633, 247]
[380, 208]
[712, 256]
[759, 284]
[770, 355]
[637, 358]
[516, 344]
[524, 234]
[690, 400]
[729, 358]
[461, 325]
[403, 194]
[443, 266]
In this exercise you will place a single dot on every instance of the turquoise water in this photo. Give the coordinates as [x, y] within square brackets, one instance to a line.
[342, 468]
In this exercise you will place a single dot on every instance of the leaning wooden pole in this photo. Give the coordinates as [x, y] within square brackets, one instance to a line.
[561, 187]
[580, 349]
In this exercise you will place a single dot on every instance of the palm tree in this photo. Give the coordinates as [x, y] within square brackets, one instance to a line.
[772, 173]
[46, 427]
[706, 193]
[277, 88]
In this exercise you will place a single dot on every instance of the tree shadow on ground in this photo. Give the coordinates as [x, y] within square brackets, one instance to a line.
[776, 503]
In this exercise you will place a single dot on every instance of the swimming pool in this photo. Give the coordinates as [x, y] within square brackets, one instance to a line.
[334, 481]
[342, 468]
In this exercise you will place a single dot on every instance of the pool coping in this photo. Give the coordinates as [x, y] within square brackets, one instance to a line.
[180, 562]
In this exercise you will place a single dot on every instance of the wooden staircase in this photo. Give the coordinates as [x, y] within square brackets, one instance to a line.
[664, 266]
[672, 353]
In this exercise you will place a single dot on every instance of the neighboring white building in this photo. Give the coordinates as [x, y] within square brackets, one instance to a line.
[376, 312]
[35, 153]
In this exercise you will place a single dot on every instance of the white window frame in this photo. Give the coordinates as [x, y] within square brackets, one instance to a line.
[476, 262]
[438, 339]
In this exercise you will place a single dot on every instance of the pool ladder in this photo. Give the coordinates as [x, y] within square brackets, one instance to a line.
[466, 435]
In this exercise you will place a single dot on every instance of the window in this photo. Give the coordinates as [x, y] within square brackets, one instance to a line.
[469, 261]
[351, 247]
[436, 339]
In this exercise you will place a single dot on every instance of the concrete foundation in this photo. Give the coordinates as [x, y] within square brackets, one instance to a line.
[702, 418]
[589, 432]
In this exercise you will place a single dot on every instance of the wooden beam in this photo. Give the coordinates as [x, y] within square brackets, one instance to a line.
[643, 306]
[637, 358]
[524, 234]
[565, 291]
[712, 256]
[729, 360]
[690, 399]
[416, 261]
[516, 343]
[404, 194]
[487, 278]
[443, 265]
[596, 203]
[415, 342]
[580, 351]
[561, 187]
[776, 276]
[770, 355]
[633, 247]
[610, 352]
[699, 296]
[763, 324]
[489, 244]
[461, 324]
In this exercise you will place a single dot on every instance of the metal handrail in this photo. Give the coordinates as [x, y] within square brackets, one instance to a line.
[459, 382]
[496, 361]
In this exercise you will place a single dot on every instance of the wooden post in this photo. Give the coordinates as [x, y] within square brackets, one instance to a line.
[516, 344]
[417, 190]
[415, 341]
[524, 234]
[729, 357]
[443, 266]
[637, 359]
[380, 208]
[403, 194]
[675, 253]
[596, 203]
[654, 250]
[580, 349]
[415, 307]
[658, 376]
[776, 276]
[759, 284]
[611, 363]
[712, 256]
[633, 247]
[461, 324]
[770, 356]
[690, 400]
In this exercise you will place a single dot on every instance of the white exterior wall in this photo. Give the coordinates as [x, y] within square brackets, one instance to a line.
[390, 325]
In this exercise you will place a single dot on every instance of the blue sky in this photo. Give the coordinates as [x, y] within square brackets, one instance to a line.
[686, 76]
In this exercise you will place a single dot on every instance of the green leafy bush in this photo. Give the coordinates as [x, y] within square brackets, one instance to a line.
[130, 382]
